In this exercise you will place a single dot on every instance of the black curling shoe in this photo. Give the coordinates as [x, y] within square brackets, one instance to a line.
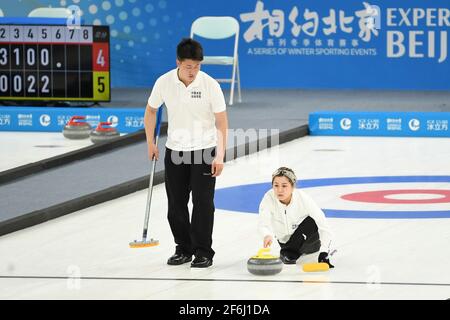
[178, 258]
[201, 262]
[288, 260]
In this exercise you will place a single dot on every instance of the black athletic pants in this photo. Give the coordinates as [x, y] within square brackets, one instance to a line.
[187, 172]
[297, 244]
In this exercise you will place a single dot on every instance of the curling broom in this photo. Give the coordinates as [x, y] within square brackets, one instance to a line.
[144, 243]
[318, 266]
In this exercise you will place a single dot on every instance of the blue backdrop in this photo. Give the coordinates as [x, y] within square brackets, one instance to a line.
[391, 44]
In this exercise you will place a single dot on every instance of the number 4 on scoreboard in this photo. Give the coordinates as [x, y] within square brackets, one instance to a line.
[100, 57]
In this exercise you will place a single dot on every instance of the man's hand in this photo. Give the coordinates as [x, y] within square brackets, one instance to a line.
[153, 151]
[268, 241]
[217, 166]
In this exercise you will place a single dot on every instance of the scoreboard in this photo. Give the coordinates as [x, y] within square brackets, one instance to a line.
[54, 63]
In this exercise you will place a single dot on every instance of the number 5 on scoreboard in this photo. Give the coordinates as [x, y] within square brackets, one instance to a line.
[101, 86]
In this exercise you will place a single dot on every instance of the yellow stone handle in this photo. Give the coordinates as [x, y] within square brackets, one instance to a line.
[263, 252]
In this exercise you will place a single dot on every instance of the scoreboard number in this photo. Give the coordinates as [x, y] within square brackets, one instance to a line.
[4, 83]
[58, 34]
[44, 57]
[87, 34]
[45, 84]
[3, 56]
[101, 85]
[31, 80]
[3, 35]
[16, 34]
[101, 58]
[44, 34]
[17, 55]
[31, 57]
[30, 33]
[54, 62]
[17, 83]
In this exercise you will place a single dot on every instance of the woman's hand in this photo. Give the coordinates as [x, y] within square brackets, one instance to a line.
[268, 241]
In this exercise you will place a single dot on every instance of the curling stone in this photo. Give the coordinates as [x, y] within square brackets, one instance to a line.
[264, 263]
[77, 128]
[103, 133]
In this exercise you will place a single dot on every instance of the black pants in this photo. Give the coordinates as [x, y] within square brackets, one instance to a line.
[297, 244]
[187, 172]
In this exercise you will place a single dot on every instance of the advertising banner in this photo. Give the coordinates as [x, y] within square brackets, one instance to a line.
[54, 119]
[394, 124]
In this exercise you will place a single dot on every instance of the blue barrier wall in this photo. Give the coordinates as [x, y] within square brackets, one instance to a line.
[391, 44]
[393, 124]
[54, 119]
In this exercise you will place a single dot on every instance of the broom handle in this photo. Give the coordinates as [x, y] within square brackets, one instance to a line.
[152, 174]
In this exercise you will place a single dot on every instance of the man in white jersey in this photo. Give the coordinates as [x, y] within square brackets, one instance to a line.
[195, 150]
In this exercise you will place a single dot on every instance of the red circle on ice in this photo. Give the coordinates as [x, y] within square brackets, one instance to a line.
[395, 196]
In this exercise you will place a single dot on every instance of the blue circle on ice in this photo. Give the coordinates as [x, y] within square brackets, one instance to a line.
[246, 198]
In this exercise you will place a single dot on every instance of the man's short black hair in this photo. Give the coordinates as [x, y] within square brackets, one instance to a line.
[189, 49]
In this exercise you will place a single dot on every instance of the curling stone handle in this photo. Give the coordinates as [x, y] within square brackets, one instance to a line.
[263, 252]
[102, 125]
[74, 118]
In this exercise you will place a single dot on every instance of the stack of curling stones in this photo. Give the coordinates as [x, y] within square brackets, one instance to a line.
[77, 128]
[104, 132]
[264, 263]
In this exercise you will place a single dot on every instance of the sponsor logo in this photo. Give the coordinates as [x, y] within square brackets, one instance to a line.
[45, 120]
[114, 121]
[25, 119]
[414, 124]
[5, 120]
[346, 124]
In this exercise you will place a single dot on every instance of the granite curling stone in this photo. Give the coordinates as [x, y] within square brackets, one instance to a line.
[77, 128]
[264, 263]
[104, 133]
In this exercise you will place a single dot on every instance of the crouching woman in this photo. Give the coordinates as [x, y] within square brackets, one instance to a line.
[293, 218]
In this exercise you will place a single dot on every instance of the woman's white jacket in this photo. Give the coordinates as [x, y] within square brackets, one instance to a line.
[280, 221]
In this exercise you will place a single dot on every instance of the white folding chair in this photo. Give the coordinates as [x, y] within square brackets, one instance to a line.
[50, 13]
[217, 28]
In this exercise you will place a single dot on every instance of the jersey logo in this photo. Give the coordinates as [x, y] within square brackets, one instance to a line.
[196, 94]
